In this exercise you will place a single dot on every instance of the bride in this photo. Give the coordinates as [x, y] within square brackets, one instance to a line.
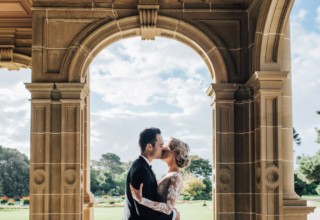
[176, 155]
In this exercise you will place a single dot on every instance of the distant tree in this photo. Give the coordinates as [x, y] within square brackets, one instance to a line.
[207, 192]
[14, 172]
[309, 169]
[108, 185]
[108, 175]
[192, 187]
[303, 188]
[199, 167]
[318, 131]
[94, 183]
[109, 163]
[121, 183]
[296, 137]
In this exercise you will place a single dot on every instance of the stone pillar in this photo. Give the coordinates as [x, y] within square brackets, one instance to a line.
[88, 196]
[244, 153]
[294, 208]
[268, 144]
[287, 129]
[223, 151]
[57, 151]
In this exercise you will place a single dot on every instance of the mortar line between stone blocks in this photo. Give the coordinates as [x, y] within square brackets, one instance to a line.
[252, 162]
[53, 213]
[57, 163]
[267, 34]
[73, 132]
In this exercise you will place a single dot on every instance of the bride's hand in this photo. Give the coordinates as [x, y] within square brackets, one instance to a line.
[136, 194]
[177, 214]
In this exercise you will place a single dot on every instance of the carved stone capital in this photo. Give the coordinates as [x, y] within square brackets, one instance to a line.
[267, 80]
[222, 91]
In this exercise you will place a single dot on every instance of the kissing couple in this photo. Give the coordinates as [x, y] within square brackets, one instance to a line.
[145, 198]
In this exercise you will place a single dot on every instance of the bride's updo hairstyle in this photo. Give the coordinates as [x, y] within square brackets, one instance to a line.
[181, 150]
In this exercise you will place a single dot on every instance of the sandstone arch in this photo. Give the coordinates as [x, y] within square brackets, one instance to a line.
[270, 34]
[84, 49]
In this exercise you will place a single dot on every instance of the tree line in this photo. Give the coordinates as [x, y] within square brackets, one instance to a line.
[108, 177]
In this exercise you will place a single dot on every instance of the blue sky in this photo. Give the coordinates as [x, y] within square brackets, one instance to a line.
[137, 84]
[305, 48]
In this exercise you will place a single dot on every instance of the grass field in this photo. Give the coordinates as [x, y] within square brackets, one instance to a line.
[189, 211]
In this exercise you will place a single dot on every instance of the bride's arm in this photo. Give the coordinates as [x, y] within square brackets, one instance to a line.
[172, 197]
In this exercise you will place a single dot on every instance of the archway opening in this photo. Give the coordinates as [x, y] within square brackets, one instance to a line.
[136, 84]
[15, 137]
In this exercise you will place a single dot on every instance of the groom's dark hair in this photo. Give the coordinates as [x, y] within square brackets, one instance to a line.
[148, 136]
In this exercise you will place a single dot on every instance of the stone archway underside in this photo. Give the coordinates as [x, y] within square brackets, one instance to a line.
[247, 50]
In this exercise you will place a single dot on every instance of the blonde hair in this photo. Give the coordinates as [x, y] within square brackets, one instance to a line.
[181, 150]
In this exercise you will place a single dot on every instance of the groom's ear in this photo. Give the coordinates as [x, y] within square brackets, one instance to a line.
[149, 147]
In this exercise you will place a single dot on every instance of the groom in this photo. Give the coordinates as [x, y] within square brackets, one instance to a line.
[151, 147]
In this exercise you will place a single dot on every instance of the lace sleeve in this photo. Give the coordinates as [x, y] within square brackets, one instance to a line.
[174, 190]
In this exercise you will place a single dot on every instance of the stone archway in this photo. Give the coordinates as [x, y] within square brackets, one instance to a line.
[82, 51]
[70, 102]
[247, 52]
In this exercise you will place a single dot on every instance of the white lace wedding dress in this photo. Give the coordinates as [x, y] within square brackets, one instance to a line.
[169, 188]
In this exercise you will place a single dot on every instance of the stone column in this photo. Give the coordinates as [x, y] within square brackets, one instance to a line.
[244, 153]
[223, 151]
[268, 143]
[57, 151]
[293, 206]
[88, 196]
[287, 129]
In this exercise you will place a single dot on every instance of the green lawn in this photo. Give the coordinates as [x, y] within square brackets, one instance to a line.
[189, 211]
[16, 214]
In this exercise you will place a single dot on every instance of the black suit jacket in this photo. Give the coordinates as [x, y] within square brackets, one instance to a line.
[141, 172]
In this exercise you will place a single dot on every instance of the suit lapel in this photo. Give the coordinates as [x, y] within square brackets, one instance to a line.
[149, 168]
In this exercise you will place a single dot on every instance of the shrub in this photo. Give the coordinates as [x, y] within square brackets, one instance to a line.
[26, 202]
[318, 189]
[4, 198]
[4, 201]
[112, 201]
[303, 188]
[11, 202]
[187, 197]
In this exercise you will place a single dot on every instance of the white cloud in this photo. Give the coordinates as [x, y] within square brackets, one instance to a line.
[15, 110]
[318, 17]
[160, 84]
[145, 77]
[302, 14]
[305, 46]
